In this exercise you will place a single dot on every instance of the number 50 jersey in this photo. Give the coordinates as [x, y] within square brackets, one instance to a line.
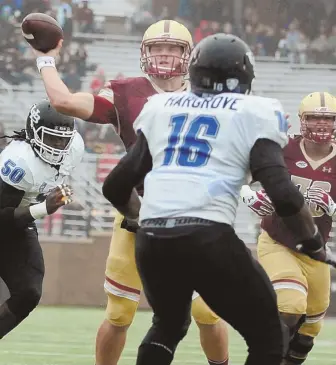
[200, 149]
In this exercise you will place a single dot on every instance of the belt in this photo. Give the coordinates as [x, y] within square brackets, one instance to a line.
[175, 222]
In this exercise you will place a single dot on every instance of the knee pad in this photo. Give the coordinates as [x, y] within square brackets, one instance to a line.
[24, 302]
[166, 333]
[120, 311]
[202, 313]
[291, 301]
[299, 348]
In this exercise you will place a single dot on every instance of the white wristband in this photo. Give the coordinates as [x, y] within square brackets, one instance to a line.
[38, 211]
[45, 61]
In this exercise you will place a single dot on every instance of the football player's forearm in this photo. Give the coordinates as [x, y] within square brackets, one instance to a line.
[12, 218]
[131, 209]
[79, 105]
[268, 167]
[302, 225]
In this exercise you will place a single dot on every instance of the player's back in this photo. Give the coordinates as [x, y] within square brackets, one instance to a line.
[200, 149]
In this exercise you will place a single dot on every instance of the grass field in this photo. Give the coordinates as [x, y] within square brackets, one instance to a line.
[66, 336]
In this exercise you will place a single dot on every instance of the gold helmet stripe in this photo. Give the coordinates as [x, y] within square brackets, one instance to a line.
[322, 96]
[166, 26]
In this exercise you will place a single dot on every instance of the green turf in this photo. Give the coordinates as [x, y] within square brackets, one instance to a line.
[66, 336]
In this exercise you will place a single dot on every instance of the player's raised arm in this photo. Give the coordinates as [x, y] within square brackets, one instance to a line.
[83, 105]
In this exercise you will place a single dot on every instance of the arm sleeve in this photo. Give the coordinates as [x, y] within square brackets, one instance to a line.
[129, 172]
[11, 216]
[104, 110]
[268, 166]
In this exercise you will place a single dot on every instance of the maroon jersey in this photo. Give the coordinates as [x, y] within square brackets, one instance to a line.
[305, 173]
[120, 102]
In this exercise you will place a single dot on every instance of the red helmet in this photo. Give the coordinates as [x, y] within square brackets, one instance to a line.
[317, 115]
[166, 65]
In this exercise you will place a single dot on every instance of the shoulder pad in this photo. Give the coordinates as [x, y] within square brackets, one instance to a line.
[15, 168]
[75, 155]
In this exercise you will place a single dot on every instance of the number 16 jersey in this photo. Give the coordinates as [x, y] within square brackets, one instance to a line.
[305, 173]
[200, 149]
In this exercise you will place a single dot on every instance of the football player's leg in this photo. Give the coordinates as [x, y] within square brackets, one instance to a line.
[213, 332]
[249, 304]
[163, 271]
[22, 269]
[285, 271]
[318, 277]
[122, 285]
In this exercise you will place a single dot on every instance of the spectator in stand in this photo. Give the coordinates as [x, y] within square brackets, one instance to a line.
[35, 6]
[250, 37]
[64, 18]
[332, 43]
[227, 28]
[85, 18]
[202, 31]
[302, 48]
[320, 48]
[269, 40]
[282, 50]
[80, 58]
[72, 79]
[98, 81]
[293, 38]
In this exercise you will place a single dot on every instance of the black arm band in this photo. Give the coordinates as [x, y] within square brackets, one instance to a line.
[269, 168]
[129, 172]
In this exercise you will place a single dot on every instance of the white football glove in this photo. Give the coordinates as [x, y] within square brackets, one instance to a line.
[257, 201]
[322, 199]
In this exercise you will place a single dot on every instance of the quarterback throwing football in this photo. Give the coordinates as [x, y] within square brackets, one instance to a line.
[165, 51]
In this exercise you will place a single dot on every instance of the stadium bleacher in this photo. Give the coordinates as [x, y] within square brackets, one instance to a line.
[281, 80]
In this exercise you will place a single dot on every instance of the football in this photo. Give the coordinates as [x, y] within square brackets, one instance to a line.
[41, 31]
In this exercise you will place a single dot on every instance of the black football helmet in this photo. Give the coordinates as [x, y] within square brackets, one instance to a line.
[49, 132]
[221, 63]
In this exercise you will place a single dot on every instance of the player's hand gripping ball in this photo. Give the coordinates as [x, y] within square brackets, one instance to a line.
[41, 31]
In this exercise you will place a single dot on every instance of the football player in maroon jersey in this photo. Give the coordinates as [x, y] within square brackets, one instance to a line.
[301, 283]
[165, 51]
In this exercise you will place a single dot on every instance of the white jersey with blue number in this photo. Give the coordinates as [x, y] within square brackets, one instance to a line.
[22, 169]
[200, 149]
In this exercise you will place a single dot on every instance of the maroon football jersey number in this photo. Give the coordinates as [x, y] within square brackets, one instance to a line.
[304, 184]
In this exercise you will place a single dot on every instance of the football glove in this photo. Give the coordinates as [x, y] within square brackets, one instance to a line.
[322, 254]
[322, 199]
[258, 202]
[129, 225]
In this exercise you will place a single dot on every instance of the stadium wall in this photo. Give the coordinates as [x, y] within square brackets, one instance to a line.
[75, 272]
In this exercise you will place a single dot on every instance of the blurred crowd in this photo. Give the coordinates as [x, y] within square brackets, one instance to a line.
[17, 62]
[300, 30]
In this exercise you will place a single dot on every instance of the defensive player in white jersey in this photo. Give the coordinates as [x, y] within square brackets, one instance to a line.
[195, 162]
[34, 168]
